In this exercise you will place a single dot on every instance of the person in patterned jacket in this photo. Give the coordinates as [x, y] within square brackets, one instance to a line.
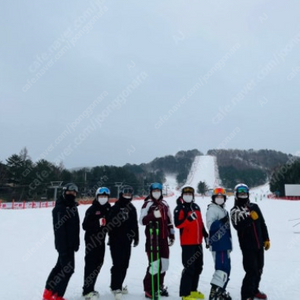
[188, 219]
[248, 220]
[156, 212]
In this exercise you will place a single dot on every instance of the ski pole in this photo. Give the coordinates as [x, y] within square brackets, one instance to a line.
[151, 257]
[157, 258]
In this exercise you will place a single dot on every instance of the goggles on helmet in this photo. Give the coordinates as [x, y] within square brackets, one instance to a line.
[219, 191]
[103, 191]
[156, 186]
[242, 190]
[187, 190]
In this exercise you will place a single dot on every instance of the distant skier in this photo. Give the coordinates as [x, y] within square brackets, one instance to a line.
[123, 231]
[66, 226]
[253, 236]
[156, 211]
[94, 224]
[218, 223]
[188, 218]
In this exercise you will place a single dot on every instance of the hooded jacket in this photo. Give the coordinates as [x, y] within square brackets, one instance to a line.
[94, 233]
[66, 225]
[191, 232]
[218, 224]
[251, 233]
[122, 222]
[166, 228]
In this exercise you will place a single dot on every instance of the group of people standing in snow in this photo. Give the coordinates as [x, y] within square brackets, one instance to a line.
[120, 223]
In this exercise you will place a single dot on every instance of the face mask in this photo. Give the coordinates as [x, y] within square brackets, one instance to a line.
[70, 197]
[127, 197]
[188, 198]
[156, 195]
[219, 200]
[102, 200]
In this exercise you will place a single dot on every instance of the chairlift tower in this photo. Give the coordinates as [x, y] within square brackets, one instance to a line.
[55, 185]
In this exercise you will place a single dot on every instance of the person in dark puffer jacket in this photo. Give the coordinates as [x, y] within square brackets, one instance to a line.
[248, 220]
[94, 224]
[66, 226]
[123, 232]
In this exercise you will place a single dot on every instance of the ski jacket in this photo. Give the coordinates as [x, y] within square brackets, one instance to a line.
[166, 228]
[218, 224]
[122, 222]
[66, 225]
[94, 233]
[251, 233]
[191, 232]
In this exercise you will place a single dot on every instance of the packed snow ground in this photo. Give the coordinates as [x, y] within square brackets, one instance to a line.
[28, 254]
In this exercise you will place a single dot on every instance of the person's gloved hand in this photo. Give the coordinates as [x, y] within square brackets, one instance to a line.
[102, 222]
[157, 213]
[267, 245]
[135, 243]
[253, 215]
[206, 242]
[192, 216]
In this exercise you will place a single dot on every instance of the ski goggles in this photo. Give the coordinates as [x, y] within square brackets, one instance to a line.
[219, 191]
[242, 190]
[103, 191]
[155, 186]
[188, 190]
[127, 190]
[71, 187]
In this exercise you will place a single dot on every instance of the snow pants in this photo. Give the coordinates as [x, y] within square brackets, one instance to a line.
[253, 262]
[222, 268]
[60, 275]
[120, 254]
[94, 256]
[162, 263]
[192, 260]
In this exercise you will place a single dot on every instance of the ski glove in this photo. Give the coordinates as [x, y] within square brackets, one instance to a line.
[135, 243]
[102, 222]
[192, 216]
[206, 242]
[267, 245]
[254, 215]
[157, 213]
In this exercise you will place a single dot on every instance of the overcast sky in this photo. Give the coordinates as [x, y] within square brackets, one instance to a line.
[113, 82]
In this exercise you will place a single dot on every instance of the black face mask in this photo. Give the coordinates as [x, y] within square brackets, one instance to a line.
[242, 201]
[70, 198]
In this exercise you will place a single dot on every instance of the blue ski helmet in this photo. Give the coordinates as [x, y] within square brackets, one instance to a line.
[155, 186]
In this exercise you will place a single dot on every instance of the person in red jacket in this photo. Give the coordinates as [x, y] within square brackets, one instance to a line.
[156, 214]
[188, 219]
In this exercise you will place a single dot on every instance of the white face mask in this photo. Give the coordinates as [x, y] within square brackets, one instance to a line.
[219, 200]
[102, 200]
[188, 198]
[156, 195]
[127, 197]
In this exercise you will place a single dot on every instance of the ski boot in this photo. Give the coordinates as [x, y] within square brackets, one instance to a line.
[197, 295]
[94, 295]
[117, 294]
[260, 295]
[47, 294]
[215, 293]
[163, 290]
[149, 295]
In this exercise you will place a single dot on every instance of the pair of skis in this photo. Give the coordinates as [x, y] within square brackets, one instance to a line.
[154, 230]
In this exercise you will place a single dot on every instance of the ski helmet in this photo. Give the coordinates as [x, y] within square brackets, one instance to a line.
[102, 191]
[127, 189]
[241, 191]
[218, 191]
[155, 186]
[187, 190]
[69, 187]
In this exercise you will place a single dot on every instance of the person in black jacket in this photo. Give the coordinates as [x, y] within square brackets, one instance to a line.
[253, 237]
[66, 226]
[123, 230]
[94, 224]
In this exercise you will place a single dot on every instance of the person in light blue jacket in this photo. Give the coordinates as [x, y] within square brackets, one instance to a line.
[218, 224]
